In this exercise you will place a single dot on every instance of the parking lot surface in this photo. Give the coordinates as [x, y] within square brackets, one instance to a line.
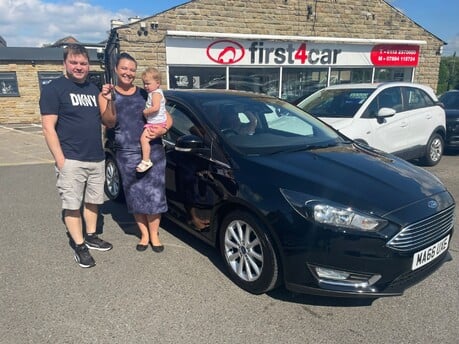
[181, 295]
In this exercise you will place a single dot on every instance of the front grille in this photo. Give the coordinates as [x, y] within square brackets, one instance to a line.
[411, 277]
[418, 234]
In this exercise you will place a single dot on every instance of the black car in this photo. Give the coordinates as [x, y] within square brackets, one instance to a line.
[450, 100]
[296, 203]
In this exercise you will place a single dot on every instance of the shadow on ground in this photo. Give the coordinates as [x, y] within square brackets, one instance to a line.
[126, 222]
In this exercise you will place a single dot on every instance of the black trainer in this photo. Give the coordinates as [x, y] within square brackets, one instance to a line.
[93, 242]
[83, 257]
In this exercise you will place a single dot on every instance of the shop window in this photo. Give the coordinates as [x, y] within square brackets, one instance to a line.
[197, 77]
[393, 74]
[44, 78]
[8, 84]
[299, 83]
[350, 75]
[260, 80]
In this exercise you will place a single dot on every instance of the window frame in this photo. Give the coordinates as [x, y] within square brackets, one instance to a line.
[9, 84]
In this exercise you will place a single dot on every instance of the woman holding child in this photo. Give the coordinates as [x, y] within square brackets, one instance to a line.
[144, 192]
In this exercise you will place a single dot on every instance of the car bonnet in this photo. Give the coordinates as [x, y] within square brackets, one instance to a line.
[352, 176]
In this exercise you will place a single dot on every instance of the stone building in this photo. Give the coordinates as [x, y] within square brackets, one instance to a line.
[23, 71]
[287, 48]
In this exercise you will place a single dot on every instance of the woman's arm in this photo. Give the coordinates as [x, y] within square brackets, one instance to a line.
[107, 106]
[157, 130]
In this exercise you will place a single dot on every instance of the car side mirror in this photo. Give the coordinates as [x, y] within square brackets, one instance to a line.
[383, 113]
[190, 143]
[386, 112]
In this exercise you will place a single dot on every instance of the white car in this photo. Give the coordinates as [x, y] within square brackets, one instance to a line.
[401, 118]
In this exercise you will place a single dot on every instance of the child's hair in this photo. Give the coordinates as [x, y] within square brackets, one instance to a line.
[152, 73]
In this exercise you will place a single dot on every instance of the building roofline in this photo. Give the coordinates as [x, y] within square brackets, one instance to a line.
[41, 54]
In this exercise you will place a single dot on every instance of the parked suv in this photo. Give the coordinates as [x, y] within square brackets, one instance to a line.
[402, 118]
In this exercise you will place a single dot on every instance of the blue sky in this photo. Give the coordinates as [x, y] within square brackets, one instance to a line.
[36, 22]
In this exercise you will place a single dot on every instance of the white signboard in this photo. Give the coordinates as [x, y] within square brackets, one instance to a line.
[215, 52]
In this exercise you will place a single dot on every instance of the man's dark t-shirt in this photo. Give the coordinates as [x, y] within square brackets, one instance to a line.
[78, 123]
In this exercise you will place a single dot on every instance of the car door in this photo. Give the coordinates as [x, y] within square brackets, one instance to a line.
[193, 179]
[420, 113]
[387, 133]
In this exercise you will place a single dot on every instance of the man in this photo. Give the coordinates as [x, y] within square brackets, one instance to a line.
[71, 124]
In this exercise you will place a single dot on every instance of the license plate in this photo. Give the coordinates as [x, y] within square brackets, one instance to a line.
[425, 256]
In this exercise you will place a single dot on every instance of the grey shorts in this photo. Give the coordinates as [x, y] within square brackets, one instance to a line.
[80, 181]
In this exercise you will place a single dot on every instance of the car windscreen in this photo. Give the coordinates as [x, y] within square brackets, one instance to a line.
[341, 103]
[266, 125]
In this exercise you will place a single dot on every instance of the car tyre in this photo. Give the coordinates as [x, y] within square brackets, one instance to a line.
[434, 150]
[113, 186]
[248, 253]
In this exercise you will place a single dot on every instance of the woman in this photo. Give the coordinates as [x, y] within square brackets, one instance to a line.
[144, 192]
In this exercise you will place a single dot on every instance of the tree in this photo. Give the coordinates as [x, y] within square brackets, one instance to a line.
[448, 77]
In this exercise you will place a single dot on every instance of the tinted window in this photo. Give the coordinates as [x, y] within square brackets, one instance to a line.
[390, 98]
[450, 100]
[183, 125]
[336, 102]
[416, 98]
[279, 125]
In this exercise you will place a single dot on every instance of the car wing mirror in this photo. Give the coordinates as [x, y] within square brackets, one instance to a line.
[439, 103]
[190, 143]
[386, 112]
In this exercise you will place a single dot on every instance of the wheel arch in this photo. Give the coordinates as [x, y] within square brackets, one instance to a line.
[232, 206]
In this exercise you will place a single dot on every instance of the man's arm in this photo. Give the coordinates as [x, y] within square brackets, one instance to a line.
[48, 122]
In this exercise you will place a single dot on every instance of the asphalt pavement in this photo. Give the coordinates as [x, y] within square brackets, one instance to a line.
[23, 144]
[183, 294]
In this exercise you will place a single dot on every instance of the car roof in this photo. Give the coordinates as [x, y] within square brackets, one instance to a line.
[212, 93]
[378, 85]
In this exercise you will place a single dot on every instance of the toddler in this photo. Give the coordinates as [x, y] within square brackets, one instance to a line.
[154, 112]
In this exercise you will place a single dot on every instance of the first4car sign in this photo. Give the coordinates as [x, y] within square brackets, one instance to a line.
[279, 53]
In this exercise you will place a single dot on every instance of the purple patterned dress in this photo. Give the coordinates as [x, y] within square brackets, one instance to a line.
[145, 192]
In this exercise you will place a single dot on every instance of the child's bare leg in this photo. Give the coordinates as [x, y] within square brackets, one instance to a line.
[145, 144]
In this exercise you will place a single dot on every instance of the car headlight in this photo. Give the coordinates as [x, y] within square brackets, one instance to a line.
[330, 213]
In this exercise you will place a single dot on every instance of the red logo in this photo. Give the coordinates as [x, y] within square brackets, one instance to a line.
[395, 55]
[225, 52]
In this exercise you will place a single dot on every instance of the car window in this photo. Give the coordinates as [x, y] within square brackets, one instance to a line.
[387, 98]
[450, 100]
[416, 98]
[280, 125]
[287, 123]
[390, 98]
[343, 103]
[183, 125]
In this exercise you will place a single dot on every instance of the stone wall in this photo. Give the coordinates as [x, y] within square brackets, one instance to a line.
[368, 19]
[25, 109]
